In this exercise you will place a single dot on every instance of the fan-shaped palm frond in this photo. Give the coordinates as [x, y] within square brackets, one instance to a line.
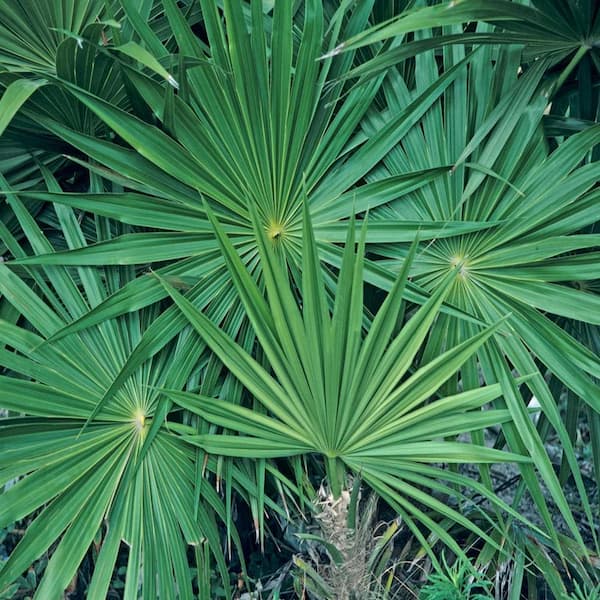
[353, 400]
[536, 204]
[125, 476]
[562, 31]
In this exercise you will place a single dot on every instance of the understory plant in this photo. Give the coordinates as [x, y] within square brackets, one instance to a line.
[456, 582]
[253, 249]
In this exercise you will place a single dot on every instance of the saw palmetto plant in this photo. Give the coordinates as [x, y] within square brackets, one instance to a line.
[248, 246]
[537, 218]
[350, 399]
[123, 476]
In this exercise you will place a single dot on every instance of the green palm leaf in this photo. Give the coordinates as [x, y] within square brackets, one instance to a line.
[314, 400]
[126, 469]
[565, 31]
[542, 201]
